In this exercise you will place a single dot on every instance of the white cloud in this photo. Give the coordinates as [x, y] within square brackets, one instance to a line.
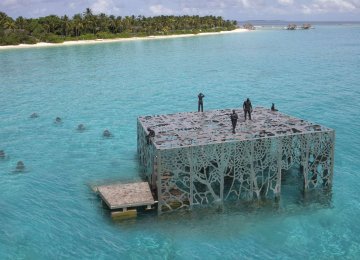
[72, 5]
[8, 3]
[104, 6]
[306, 9]
[245, 3]
[160, 10]
[278, 10]
[222, 4]
[331, 6]
[101, 6]
[41, 11]
[251, 4]
[188, 10]
[342, 5]
[286, 2]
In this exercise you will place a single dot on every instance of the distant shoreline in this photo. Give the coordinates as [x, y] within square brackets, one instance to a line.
[83, 42]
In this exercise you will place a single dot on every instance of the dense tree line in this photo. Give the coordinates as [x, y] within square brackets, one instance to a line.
[87, 25]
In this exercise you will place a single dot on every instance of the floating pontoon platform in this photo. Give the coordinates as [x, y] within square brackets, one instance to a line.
[122, 196]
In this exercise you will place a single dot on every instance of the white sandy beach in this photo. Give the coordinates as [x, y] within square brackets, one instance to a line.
[80, 42]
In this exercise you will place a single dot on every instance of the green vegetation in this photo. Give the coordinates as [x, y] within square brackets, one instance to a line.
[88, 26]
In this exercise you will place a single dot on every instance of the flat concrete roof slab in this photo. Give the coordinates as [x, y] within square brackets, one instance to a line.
[214, 126]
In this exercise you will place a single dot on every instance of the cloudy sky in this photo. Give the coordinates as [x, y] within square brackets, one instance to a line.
[306, 10]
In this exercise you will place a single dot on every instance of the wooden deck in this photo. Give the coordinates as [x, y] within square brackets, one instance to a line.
[124, 196]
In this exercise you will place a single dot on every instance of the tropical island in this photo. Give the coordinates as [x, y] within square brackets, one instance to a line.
[90, 26]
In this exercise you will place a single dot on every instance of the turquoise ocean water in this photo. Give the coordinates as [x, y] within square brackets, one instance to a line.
[50, 212]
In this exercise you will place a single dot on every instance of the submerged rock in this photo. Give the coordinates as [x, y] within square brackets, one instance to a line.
[2, 154]
[81, 127]
[34, 115]
[58, 120]
[20, 166]
[107, 133]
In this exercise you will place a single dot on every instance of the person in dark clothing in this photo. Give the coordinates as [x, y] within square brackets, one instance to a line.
[234, 118]
[150, 135]
[273, 107]
[200, 103]
[247, 108]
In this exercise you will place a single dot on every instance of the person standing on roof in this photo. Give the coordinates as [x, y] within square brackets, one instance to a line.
[247, 108]
[150, 135]
[273, 107]
[200, 102]
[234, 117]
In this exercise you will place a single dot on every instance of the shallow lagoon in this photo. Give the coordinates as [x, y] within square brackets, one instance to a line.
[50, 210]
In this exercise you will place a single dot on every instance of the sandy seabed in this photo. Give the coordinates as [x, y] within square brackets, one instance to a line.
[80, 42]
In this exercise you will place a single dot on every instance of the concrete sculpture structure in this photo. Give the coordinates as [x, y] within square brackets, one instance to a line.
[195, 159]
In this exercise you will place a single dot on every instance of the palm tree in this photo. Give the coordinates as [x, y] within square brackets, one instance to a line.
[66, 25]
[118, 24]
[112, 24]
[77, 24]
[88, 13]
[127, 23]
[10, 25]
[103, 22]
[90, 21]
[20, 22]
[3, 19]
